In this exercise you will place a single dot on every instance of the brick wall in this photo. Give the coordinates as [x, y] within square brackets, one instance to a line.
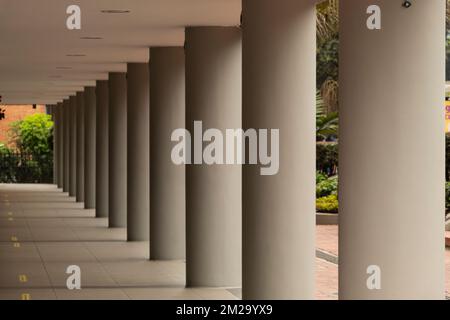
[15, 113]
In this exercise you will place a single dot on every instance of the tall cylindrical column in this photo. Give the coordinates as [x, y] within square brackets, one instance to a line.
[279, 57]
[66, 137]
[60, 144]
[80, 147]
[138, 163]
[73, 147]
[102, 146]
[89, 147]
[168, 181]
[55, 143]
[117, 150]
[392, 151]
[213, 192]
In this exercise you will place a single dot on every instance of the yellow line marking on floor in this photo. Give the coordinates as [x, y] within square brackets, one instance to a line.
[14, 239]
[10, 214]
[25, 296]
[23, 278]
[16, 244]
[10, 219]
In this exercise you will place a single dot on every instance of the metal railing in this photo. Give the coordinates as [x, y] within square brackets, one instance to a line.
[25, 168]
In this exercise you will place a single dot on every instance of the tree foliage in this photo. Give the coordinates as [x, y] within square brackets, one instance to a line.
[327, 123]
[328, 53]
[448, 42]
[33, 135]
[327, 20]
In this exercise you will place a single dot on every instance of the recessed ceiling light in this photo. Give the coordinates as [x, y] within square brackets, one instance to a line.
[115, 11]
[76, 55]
[91, 38]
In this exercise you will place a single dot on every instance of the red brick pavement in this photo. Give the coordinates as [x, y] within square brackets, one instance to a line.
[327, 239]
[327, 273]
[326, 280]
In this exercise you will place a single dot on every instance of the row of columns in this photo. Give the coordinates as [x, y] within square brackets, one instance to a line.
[236, 227]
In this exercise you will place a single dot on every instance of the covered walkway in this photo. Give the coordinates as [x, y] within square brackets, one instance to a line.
[121, 85]
[43, 231]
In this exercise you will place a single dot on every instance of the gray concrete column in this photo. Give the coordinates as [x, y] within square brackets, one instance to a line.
[138, 149]
[392, 151]
[279, 57]
[117, 150]
[102, 146]
[213, 193]
[73, 147]
[66, 138]
[80, 146]
[60, 144]
[56, 124]
[55, 142]
[89, 147]
[168, 181]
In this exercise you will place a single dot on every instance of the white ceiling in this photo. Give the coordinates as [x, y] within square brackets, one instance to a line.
[35, 43]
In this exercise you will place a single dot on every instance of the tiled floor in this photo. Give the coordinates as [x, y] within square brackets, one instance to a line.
[43, 231]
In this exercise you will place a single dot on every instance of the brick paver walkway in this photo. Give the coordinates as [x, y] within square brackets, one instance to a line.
[327, 273]
[326, 280]
[327, 239]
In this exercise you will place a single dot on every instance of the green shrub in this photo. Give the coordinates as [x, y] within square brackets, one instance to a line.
[33, 135]
[320, 177]
[327, 187]
[327, 158]
[4, 149]
[31, 160]
[447, 196]
[6, 170]
[328, 204]
[447, 171]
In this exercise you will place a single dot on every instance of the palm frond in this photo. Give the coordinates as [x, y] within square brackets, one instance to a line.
[329, 92]
[327, 124]
[327, 19]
